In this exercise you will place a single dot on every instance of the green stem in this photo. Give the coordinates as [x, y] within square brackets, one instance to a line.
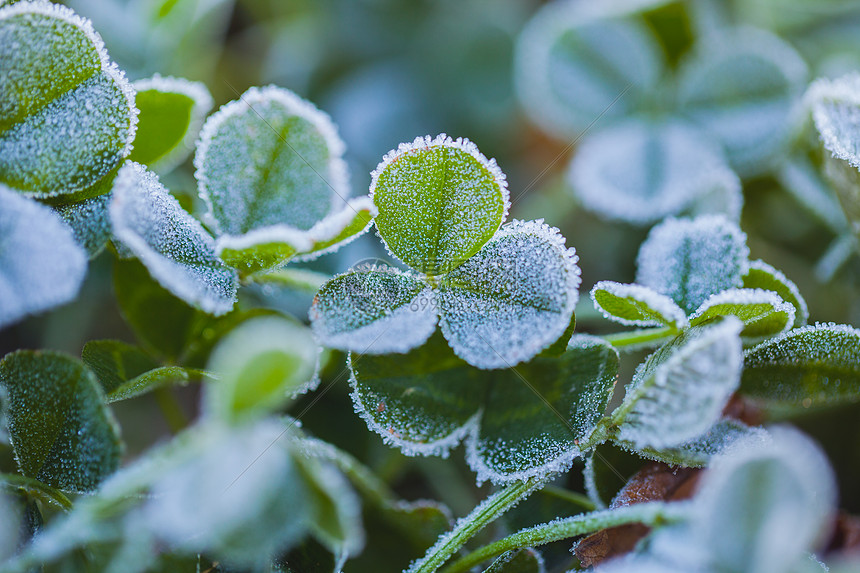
[639, 338]
[572, 497]
[651, 514]
[487, 511]
[170, 408]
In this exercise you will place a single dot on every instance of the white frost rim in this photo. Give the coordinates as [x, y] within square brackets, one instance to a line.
[660, 303]
[845, 90]
[748, 296]
[831, 326]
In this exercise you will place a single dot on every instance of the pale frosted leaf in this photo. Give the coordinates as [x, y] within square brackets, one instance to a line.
[89, 222]
[258, 366]
[741, 85]
[67, 114]
[635, 305]
[376, 310]
[61, 430]
[765, 503]
[809, 366]
[688, 260]
[679, 391]
[175, 248]
[440, 200]
[573, 65]
[761, 275]
[172, 111]
[267, 159]
[762, 312]
[41, 266]
[519, 424]
[835, 107]
[640, 171]
[512, 299]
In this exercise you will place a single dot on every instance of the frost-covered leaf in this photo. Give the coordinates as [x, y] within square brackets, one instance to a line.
[440, 200]
[125, 371]
[699, 451]
[340, 228]
[572, 66]
[688, 260]
[41, 266]
[172, 111]
[845, 179]
[62, 432]
[67, 114]
[761, 275]
[636, 305]
[426, 401]
[835, 108]
[89, 222]
[809, 366]
[175, 248]
[512, 299]
[765, 503]
[763, 313]
[258, 366]
[642, 171]
[518, 561]
[679, 392]
[272, 163]
[741, 85]
[375, 310]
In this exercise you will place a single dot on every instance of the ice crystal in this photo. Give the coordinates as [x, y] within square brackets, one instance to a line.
[636, 305]
[89, 222]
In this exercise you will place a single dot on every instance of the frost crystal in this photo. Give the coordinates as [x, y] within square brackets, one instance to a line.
[679, 392]
[835, 106]
[691, 259]
[763, 312]
[513, 299]
[173, 246]
[641, 172]
[270, 158]
[89, 222]
[635, 305]
[41, 265]
[67, 114]
[439, 201]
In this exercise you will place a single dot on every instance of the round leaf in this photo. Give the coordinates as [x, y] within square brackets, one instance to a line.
[511, 300]
[761, 275]
[574, 65]
[640, 172]
[62, 432]
[635, 305]
[67, 114]
[762, 312]
[175, 248]
[41, 266]
[440, 200]
[688, 260]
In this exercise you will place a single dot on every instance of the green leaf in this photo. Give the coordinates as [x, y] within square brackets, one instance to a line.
[374, 310]
[834, 105]
[62, 432]
[172, 111]
[806, 367]
[518, 423]
[635, 305]
[513, 299]
[173, 246]
[741, 85]
[680, 390]
[762, 312]
[574, 64]
[67, 114]
[761, 275]
[259, 365]
[669, 167]
[41, 266]
[440, 200]
[689, 260]
[125, 371]
[518, 561]
[89, 222]
[36, 489]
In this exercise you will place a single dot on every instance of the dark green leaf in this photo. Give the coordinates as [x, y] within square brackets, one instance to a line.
[36, 489]
[810, 366]
[518, 561]
[636, 305]
[114, 362]
[439, 202]
[761, 275]
[762, 312]
[62, 432]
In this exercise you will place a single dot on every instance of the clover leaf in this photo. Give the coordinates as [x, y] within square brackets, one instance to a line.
[500, 296]
[516, 423]
[270, 168]
[67, 113]
[690, 272]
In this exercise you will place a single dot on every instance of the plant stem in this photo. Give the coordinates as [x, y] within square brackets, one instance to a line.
[653, 513]
[638, 338]
[572, 497]
[170, 408]
[487, 511]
